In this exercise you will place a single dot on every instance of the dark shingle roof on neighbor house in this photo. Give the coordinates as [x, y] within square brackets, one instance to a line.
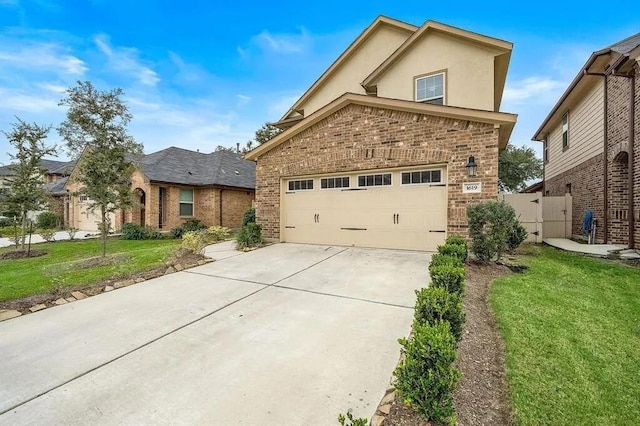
[627, 45]
[57, 187]
[185, 167]
[50, 166]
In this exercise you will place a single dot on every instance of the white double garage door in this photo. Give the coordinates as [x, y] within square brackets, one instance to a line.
[398, 209]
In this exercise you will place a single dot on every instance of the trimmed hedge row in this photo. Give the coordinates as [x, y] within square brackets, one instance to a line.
[426, 376]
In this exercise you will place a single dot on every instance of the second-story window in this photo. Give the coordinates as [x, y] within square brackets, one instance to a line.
[565, 130]
[430, 89]
[546, 149]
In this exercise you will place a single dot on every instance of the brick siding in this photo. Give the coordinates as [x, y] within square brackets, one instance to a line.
[359, 137]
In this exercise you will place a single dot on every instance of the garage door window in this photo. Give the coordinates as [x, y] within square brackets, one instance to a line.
[186, 202]
[422, 177]
[300, 185]
[383, 179]
[334, 182]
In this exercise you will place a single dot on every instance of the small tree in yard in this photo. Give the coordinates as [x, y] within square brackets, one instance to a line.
[516, 166]
[493, 228]
[95, 133]
[26, 190]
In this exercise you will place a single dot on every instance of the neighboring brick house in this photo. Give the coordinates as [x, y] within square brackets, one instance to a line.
[174, 185]
[376, 152]
[590, 146]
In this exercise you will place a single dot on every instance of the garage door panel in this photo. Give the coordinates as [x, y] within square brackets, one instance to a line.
[395, 216]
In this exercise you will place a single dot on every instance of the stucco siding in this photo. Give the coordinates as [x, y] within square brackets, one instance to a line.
[586, 133]
[380, 45]
[469, 71]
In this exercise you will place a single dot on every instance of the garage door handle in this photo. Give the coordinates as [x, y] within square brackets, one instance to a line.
[354, 229]
[442, 231]
[398, 218]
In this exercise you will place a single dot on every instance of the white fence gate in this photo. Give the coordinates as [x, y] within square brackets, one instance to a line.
[544, 217]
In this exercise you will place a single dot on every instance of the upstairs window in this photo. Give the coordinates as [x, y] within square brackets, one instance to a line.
[565, 131]
[545, 147]
[430, 89]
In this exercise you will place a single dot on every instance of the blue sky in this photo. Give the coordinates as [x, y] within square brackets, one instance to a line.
[199, 74]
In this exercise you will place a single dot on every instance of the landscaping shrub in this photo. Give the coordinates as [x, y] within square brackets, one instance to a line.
[249, 216]
[456, 239]
[72, 233]
[47, 220]
[195, 241]
[517, 236]
[5, 222]
[177, 232]
[249, 236]
[152, 234]
[426, 377]
[454, 250]
[448, 276]
[47, 234]
[218, 233]
[490, 225]
[192, 225]
[436, 304]
[132, 231]
[444, 259]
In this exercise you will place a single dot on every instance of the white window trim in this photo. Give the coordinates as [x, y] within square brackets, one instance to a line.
[444, 88]
[423, 184]
[296, 180]
[334, 177]
[192, 202]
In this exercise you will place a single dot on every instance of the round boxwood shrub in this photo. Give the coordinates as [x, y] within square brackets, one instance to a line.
[448, 276]
[47, 220]
[454, 250]
[444, 259]
[132, 231]
[249, 216]
[490, 225]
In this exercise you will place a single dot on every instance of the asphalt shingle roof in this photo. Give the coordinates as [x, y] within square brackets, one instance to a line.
[185, 167]
[51, 166]
[57, 187]
[627, 45]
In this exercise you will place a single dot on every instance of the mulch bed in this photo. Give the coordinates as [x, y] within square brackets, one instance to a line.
[482, 395]
[21, 254]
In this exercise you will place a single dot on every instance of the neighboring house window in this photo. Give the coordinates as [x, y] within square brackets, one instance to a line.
[546, 150]
[565, 130]
[334, 182]
[422, 176]
[383, 179]
[84, 198]
[430, 89]
[567, 189]
[300, 185]
[186, 202]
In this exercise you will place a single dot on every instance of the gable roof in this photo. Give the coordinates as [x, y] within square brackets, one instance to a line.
[353, 47]
[185, 167]
[504, 120]
[606, 60]
[57, 187]
[430, 26]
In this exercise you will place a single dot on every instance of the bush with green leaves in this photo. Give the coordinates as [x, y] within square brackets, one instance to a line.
[249, 216]
[133, 231]
[177, 232]
[517, 236]
[490, 225]
[218, 233]
[438, 259]
[456, 239]
[426, 376]
[454, 250]
[47, 220]
[448, 276]
[191, 225]
[195, 241]
[349, 420]
[152, 234]
[436, 304]
[249, 235]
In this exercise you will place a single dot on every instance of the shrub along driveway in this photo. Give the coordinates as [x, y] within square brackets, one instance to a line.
[288, 334]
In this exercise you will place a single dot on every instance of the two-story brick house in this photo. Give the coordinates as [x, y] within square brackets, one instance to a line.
[590, 147]
[381, 150]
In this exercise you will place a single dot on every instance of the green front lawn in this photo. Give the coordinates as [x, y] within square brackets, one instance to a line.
[571, 326]
[61, 265]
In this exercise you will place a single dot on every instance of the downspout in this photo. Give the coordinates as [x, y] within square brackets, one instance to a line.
[605, 168]
[220, 205]
[632, 107]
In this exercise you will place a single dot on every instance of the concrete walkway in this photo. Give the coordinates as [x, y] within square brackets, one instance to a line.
[601, 250]
[58, 236]
[287, 334]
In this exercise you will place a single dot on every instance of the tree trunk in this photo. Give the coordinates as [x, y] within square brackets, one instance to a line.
[104, 230]
[24, 227]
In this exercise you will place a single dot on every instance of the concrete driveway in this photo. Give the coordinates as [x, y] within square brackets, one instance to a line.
[288, 334]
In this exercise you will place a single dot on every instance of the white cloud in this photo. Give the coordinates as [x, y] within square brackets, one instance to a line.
[22, 100]
[281, 105]
[540, 88]
[126, 60]
[283, 43]
[45, 57]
